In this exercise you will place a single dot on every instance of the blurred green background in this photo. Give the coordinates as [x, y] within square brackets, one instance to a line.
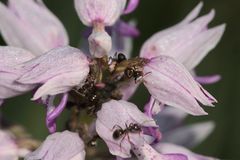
[151, 17]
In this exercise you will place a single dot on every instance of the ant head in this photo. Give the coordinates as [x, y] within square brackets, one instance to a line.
[134, 127]
[121, 57]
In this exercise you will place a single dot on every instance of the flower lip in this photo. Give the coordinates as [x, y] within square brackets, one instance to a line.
[123, 115]
[170, 83]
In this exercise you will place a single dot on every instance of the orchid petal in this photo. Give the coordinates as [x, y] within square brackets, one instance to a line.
[59, 146]
[191, 135]
[153, 107]
[200, 46]
[208, 79]
[168, 148]
[102, 11]
[127, 29]
[10, 71]
[193, 14]
[100, 43]
[187, 42]
[169, 118]
[11, 56]
[121, 113]
[59, 71]
[146, 152]
[20, 26]
[174, 37]
[171, 84]
[132, 5]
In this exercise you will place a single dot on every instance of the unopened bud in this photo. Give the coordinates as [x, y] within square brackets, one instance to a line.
[100, 43]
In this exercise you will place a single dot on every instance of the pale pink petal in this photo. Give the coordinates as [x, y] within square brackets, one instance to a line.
[102, 11]
[10, 88]
[188, 42]
[121, 113]
[194, 51]
[167, 42]
[193, 14]
[59, 71]
[30, 25]
[132, 5]
[61, 83]
[191, 135]
[168, 148]
[153, 107]
[100, 43]
[11, 56]
[171, 84]
[169, 118]
[60, 146]
[209, 79]
[10, 71]
[146, 152]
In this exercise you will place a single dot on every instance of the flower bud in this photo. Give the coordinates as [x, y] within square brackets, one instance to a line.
[100, 43]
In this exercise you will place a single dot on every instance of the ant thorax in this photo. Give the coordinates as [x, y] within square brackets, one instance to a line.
[119, 133]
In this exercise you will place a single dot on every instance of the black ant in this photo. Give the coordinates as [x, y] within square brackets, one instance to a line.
[122, 133]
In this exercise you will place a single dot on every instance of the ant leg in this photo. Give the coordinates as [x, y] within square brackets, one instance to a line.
[76, 91]
[142, 78]
[122, 141]
[146, 74]
[126, 126]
